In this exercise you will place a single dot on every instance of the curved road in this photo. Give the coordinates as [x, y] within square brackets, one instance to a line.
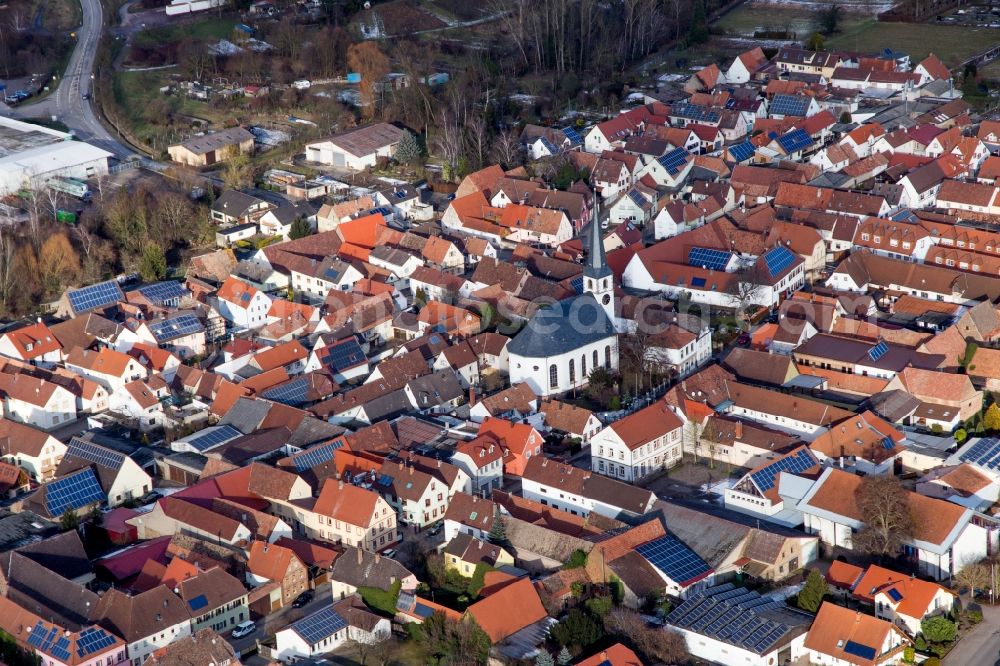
[67, 103]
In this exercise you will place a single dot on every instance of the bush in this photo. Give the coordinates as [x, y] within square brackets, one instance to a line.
[932, 661]
[578, 629]
[973, 616]
[938, 629]
[908, 654]
[919, 643]
[576, 560]
[599, 606]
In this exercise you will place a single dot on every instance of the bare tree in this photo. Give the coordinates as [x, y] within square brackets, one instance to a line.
[448, 141]
[478, 138]
[746, 289]
[8, 271]
[18, 21]
[658, 645]
[975, 576]
[507, 150]
[885, 512]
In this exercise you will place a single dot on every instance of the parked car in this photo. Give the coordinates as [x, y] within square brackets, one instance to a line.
[389, 552]
[303, 599]
[434, 531]
[244, 629]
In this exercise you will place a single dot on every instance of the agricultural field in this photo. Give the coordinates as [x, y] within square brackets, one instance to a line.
[952, 44]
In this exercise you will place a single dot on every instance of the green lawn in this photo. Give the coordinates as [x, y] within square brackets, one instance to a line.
[951, 43]
[748, 18]
[208, 29]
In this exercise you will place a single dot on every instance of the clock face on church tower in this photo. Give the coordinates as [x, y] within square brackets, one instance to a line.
[606, 299]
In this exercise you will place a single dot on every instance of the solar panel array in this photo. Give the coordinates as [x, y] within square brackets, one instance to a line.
[733, 615]
[637, 198]
[344, 354]
[198, 602]
[293, 392]
[795, 463]
[789, 105]
[163, 292]
[695, 112]
[985, 453]
[44, 639]
[673, 557]
[211, 438]
[573, 136]
[92, 640]
[778, 259]
[894, 594]
[794, 141]
[95, 453]
[860, 650]
[100, 295]
[673, 161]
[741, 152]
[318, 626]
[708, 258]
[317, 455]
[878, 351]
[548, 145]
[73, 492]
[175, 327]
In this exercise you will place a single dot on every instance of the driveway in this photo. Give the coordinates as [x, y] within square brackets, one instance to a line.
[981, 646]
[282, 618]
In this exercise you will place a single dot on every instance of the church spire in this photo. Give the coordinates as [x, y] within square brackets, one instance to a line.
[597, 265]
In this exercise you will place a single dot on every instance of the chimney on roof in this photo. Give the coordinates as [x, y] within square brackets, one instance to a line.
[360, 556]
[340, 484]
[472, 397]
[739, 430]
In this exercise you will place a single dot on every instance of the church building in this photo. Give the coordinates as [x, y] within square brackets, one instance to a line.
[563, 343]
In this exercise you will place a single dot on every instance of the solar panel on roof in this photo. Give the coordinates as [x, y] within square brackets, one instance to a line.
[316, 455]
[695, 112]
[796, 463]
[887, 443]
[778, 259]
[95, 453]
[343, 355]
[741, 152]
[100, 295]
[92, 640]
[175, 327]
[548, 145]
[213, 437]
[673, 161]
[60, 650]
[320, 625]
[637, 198]
[982, 452]
[894, 594]
[697, 282]
[708, 258]
[38, 635]
[163, 292]
[73, 492]
[573, 136]
[673, 557]
[794, 141]
[878, 351]
[789, 105]
[198, 602]
[294, 392]
[859, 650]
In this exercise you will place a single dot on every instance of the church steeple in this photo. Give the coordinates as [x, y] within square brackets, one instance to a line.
[597, 277]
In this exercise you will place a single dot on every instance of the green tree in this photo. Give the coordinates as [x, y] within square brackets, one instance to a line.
[991, 420]
[938, 629]
[960, 435]
[578, 629]
[544, 659]
[408, 150]
[300, 228]
[153, 264]
[811, 596]
[599, 606]
[815, 42]
[564, 658]
[498, 532]
[828, 20]
[69, 520]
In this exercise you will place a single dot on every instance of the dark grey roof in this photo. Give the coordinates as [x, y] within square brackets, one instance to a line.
[361, 568]
[234, 203]
[597, 265]
[46, 593]
[63, 554]
[388, 406]
[436, 388]
[312, 430]
[246, 415]
[21, 529]
[188, 460]
[564, 326]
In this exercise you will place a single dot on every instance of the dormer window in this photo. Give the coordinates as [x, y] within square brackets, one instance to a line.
[878, 240]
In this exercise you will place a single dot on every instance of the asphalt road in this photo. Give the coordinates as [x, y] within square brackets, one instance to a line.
[981, 646]
[67, 103]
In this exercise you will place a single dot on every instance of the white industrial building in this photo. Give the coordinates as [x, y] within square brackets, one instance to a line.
[32, 154]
